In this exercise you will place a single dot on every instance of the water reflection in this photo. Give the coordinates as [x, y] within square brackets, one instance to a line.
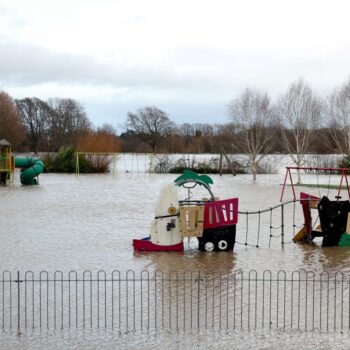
[190, 260]
[327, 259]
[89, 223]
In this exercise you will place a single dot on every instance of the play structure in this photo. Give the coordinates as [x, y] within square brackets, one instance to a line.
[211, 221]
[30, 167]
[332, 216]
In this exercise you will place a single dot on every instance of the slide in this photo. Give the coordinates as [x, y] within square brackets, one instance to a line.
[31, 168]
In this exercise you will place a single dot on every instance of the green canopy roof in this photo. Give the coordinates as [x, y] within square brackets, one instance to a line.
[191, 175]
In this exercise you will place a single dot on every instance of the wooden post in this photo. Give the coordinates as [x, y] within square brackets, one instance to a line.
[233, 171]
[77, 170]
[220, 164]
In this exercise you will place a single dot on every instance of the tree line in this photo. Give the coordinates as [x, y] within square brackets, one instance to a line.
[298, 122]
[35, 125]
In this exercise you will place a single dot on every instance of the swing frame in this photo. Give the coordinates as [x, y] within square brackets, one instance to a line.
[342, 171]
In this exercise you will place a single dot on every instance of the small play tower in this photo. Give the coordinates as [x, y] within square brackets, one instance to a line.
[7, 163]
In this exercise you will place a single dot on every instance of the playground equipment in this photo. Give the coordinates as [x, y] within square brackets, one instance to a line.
[7, 163]
[31, 167]
[334, 215]
[211, 221]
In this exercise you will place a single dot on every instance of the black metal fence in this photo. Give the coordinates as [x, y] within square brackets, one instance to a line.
[175, 300]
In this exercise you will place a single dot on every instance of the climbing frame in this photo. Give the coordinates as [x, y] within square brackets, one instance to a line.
[191, 219]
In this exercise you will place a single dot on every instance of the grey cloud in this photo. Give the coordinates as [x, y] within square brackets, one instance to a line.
[190, 84]
[23, 65]
[207, 71]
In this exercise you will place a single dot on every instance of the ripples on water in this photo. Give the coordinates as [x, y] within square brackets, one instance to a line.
[88, 223]
[274, 340]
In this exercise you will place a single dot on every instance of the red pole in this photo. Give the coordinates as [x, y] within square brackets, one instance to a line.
[291, 181]
[347, 183]
[341, 182]
[284, 184]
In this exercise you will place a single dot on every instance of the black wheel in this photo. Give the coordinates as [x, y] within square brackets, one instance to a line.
[223, 245]
[222, 239]
[209, 246]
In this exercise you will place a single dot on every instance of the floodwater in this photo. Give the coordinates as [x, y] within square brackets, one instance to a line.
[87, 222]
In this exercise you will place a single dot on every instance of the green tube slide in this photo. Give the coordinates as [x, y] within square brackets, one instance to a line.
[31, 168]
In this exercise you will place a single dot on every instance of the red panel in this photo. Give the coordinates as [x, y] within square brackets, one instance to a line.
[147, 245]
[306, 209]
[221, 214]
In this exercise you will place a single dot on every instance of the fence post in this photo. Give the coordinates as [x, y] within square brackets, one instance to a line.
[18, 304]
[282, 225]
[198, 297]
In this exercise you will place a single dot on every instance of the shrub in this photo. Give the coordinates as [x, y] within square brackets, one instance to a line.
[62, 162]
[210, 166]
[162, 164]
[65, 162]
[345, 162]
[325, 161]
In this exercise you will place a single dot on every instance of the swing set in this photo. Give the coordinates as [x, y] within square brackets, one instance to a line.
[343, 172]
[334, 216]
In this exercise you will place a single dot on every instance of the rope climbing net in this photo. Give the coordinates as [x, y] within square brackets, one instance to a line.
[278, 222]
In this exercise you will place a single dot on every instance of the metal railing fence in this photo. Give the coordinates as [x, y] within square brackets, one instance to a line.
[175, 300]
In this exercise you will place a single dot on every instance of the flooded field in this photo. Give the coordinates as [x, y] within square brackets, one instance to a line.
[87, 222]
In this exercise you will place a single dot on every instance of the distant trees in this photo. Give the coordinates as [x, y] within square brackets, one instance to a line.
[53, 124]
[292, 125]
[104, 139]
[107, 129]
[151, 124]
[252, 115]
[35, 116]
[187, 131]
[11, 127]
[299, 111]
[339, 112]
[67, 121]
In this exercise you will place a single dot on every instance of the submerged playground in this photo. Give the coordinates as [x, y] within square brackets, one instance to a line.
[31, 167]
[211, 221]
[68, 252]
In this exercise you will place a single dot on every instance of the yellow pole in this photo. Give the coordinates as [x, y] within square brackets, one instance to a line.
[114, 161]
[7, 161]
[77, 163]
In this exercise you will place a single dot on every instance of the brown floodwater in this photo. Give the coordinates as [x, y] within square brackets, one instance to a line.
[87, 222]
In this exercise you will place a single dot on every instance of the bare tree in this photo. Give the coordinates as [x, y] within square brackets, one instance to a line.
[11, 126]
[151, 124]
[252, 115]
[300, 111]
[67, 121]
[339, 111]
[187, 132]
[108, 129]
[35, 114]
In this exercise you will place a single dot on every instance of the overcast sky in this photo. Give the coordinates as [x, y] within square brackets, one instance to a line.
[189, 58]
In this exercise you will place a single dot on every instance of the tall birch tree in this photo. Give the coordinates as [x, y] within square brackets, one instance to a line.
[252, 115]
[299, 111]
[339, 112]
